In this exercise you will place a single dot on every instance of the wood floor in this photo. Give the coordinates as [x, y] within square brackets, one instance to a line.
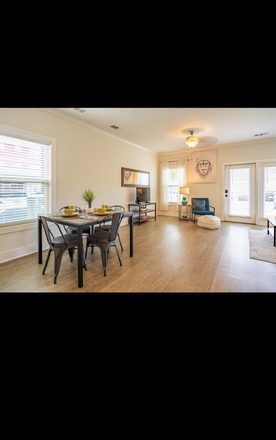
[169, 256]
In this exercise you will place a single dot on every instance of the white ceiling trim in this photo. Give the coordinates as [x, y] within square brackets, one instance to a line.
[216, 147]
[92, 127]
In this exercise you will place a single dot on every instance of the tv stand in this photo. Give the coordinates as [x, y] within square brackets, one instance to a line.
[141, 214]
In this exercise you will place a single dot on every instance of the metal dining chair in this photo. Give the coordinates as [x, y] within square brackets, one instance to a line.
[106, 227]
[72, 230]
[59, 245]
[105, 239]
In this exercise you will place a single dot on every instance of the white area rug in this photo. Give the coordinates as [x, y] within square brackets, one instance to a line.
[261, 246]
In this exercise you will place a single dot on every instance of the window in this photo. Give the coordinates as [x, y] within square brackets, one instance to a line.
[269, 191]
[25, 179]
[173, 182]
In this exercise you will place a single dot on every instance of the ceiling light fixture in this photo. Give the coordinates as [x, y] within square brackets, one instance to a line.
[192, 140]
[80, 110]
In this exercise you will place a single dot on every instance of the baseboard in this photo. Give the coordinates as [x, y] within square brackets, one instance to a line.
[21, 252]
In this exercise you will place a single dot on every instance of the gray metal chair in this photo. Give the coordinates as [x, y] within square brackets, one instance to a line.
[106, 227]
[72, 230]
[104, 239]
[59, 245]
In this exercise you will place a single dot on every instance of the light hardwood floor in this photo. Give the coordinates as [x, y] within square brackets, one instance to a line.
[169, 256]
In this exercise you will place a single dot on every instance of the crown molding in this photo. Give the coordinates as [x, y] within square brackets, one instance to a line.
[216, 147]
[94, 128]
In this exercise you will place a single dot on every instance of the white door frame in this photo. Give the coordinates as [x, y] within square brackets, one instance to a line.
[251, 218]
[258, 221]
[259, 162]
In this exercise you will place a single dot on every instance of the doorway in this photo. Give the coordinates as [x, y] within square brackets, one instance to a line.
[240, 193]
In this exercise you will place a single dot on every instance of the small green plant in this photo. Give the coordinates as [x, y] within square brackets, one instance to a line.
[88, 196]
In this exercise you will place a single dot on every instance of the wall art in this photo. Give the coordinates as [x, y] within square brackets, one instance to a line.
[203, 167]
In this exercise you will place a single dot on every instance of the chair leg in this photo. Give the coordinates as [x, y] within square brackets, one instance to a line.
[47, 260]
[58, 256]
[120, 240]
[118, 253]
[84, 259]
[71, 254]
[104, 251]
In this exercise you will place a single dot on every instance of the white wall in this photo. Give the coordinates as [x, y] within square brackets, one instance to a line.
[253, 152]
[84, 159]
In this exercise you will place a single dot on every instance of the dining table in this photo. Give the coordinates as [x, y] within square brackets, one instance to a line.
[80, 224]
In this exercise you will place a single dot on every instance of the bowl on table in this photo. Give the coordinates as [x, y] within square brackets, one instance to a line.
[68, 211]
[101, 210]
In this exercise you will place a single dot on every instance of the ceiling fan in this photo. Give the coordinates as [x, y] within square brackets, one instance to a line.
[192, 140]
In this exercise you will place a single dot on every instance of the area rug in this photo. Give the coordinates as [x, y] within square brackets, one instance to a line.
[261, 246]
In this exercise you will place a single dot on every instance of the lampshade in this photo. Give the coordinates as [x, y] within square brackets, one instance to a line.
[192, 140]
[184, 190]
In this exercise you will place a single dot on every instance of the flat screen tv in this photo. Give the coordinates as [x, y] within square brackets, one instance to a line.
[142, 194]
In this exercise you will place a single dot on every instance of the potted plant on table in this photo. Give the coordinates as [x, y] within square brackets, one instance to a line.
[88, 196]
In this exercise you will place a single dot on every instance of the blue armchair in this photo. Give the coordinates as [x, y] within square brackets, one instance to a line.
[200, 206]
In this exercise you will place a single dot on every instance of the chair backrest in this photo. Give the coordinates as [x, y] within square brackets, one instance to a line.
[116, 221]
[48, 232]
[117, 207]
[202, 198]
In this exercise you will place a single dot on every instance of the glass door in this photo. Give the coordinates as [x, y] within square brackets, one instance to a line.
[239, 193]
[269, 191]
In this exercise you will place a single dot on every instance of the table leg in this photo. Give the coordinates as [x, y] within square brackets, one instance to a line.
[267, 226]
[39, 241]
[131, 235]
[80, 270]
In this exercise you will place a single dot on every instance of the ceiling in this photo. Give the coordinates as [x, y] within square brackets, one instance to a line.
[164, 130]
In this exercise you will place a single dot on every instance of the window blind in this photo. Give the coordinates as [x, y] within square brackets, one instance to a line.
[25, 179]
[172, 164]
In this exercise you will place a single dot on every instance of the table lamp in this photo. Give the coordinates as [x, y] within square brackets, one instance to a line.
[184, 190]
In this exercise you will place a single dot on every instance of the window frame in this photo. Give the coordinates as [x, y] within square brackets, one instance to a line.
[7, 130]
[263, 165]
[170, 167]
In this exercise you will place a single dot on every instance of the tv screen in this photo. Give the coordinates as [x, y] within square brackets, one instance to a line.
[142, 194]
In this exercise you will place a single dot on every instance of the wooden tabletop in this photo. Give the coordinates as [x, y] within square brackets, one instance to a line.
[81, 221]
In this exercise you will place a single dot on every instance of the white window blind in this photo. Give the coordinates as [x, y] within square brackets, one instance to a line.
[25, 180]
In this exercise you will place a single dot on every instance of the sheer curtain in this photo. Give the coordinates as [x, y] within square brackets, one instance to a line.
[164, 168]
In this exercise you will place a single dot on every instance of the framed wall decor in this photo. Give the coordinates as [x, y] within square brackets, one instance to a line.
[130, 177]
[203, 167]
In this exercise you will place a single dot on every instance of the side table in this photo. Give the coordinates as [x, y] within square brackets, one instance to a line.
[271, 221]
[183, 212]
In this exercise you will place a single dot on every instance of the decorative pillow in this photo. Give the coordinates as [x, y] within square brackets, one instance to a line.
[199, 205]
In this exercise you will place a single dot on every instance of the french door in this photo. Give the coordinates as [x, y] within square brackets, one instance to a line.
[239, 193]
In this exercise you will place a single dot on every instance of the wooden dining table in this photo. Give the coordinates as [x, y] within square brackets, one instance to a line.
[81, 224]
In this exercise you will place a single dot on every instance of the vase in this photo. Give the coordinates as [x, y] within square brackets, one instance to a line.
[90, 209]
